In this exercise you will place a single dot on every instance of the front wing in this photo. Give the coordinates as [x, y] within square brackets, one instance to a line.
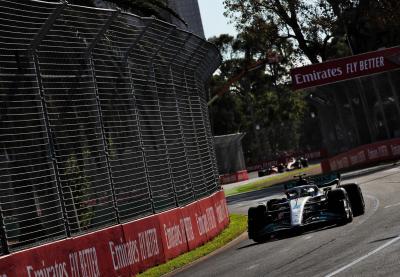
[284, 226]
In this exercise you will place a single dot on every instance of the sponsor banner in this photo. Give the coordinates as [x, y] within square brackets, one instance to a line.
[101, 252]
[221, 209]
[143, 239]
[345, 68]
[242, 176]
[123, 250]
[207, 219]
[173, 235]
[86, 255]
[47, 260]
[394, 147]
[363, 155]
[234, 177]
[228, 178]
[9, 267]
[193, 236]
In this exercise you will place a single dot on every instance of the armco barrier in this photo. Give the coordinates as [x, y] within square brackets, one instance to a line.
[124, 250]
[364, 155]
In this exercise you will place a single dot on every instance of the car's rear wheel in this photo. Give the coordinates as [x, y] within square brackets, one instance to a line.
[356, 198]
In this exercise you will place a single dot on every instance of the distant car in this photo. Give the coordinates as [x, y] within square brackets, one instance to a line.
[267, 171]
[304, 162]
[307, 203]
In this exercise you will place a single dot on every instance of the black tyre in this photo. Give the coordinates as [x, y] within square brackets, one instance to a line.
[335, 197]
[262, 172]
[255, 221]
[356, 198]
[339, 203]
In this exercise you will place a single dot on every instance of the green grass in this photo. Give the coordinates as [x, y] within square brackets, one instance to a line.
[272, 180]
[238, 225]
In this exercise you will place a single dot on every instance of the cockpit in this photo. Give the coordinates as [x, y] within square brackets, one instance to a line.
[302, 191]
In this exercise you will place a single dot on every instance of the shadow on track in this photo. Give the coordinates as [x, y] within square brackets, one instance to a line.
[288, 235]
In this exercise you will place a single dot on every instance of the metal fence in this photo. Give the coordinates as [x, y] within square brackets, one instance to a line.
[103, 119]
[358, 111]
[229, 152]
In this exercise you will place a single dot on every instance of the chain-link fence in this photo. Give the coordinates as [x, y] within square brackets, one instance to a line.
[103, 119]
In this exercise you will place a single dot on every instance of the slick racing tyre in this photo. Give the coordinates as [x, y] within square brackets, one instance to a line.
[256, 220]
[356, 198]
[339, 203]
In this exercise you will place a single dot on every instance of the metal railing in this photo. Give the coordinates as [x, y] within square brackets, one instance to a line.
[103, 119]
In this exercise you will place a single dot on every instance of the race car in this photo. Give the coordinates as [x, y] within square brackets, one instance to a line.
[308, 202]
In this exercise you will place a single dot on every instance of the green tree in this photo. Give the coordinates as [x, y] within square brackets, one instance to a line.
[320, 28]
[260, 103]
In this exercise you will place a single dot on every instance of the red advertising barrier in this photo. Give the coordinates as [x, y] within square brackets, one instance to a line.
[86, 255]
[102, 251]
[363, 155]
[346, 68]
[234, 177]
[242, 175]
[193, 236]
[123, 250]
[173, 234]
[221, 209]
[207, 219]
[144, 235]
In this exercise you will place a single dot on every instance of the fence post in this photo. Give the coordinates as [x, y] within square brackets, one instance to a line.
[159, 111]
[381, 109]
[394, 93]
[3, 239]
[48, 24]
[215, 178]
[361, 93]
[207, 124]
[89, 55]
[179, 115]
[126, 57]
[191, 111]
[134, 43]
[35, 43]
[353, 115]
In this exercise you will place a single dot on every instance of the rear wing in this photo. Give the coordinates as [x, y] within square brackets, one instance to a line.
[321, 181]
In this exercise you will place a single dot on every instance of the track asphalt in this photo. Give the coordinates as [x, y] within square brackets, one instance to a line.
[369, 246]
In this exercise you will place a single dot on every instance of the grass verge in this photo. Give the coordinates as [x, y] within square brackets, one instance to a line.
[238, 225]
[273, 180]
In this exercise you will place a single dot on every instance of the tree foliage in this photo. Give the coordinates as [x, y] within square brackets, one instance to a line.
[320, 28]
[259, 104]
[301, 31]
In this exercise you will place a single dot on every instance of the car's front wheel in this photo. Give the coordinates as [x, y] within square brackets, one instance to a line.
[356, 198]
[256, 220]
[338, 203]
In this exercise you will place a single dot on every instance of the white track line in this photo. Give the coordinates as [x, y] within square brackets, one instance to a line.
[363, 257]
[393, 205]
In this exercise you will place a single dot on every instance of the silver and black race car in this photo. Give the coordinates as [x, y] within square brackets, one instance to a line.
[309, 202]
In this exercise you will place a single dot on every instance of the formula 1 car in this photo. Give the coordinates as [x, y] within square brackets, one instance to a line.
[309, 202]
